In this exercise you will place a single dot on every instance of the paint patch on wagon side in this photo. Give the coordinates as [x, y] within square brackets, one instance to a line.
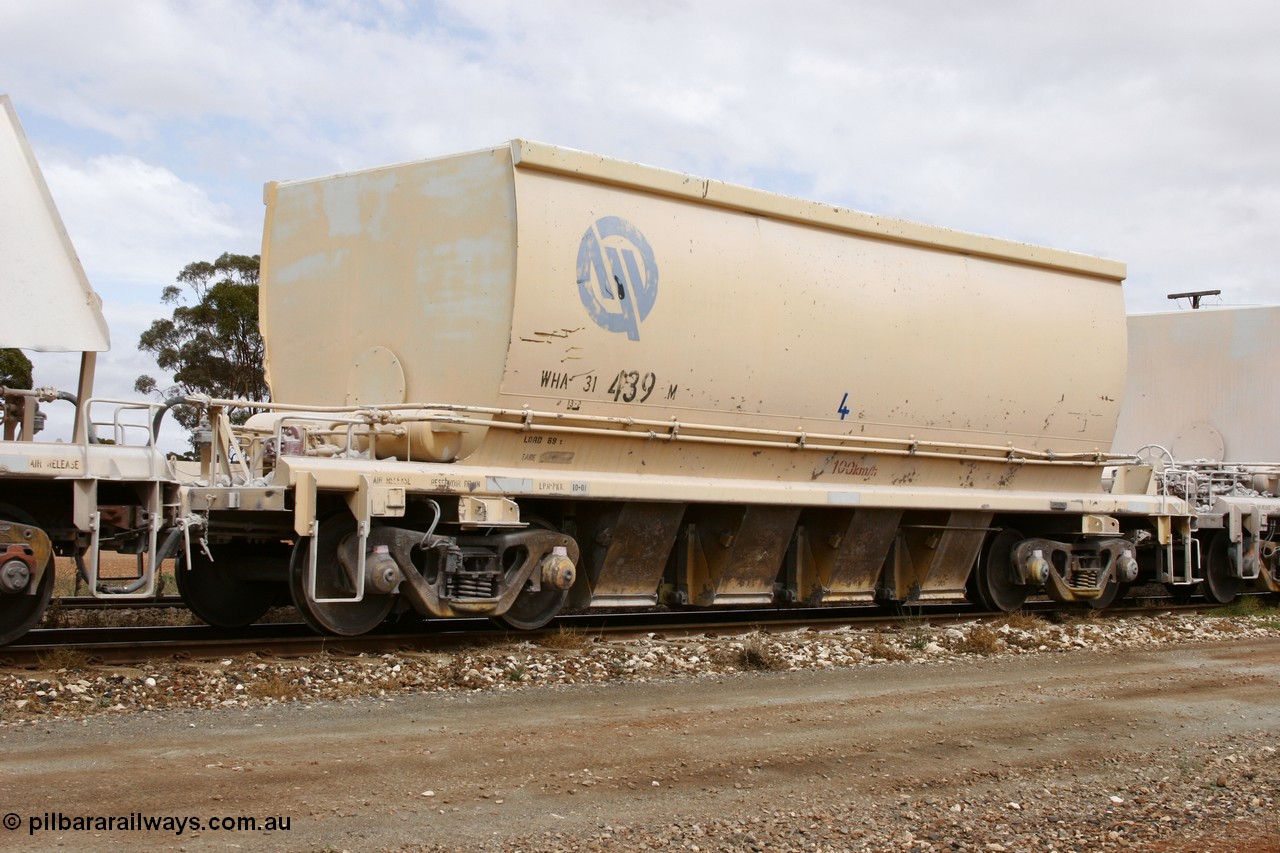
[509, 485]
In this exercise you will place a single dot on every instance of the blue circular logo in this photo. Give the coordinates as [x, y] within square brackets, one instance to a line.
[617, 275]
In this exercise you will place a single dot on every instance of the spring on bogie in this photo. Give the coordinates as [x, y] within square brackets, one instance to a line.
[1084, 578]
[467, 585]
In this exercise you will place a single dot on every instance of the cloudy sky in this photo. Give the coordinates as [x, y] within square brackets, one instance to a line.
[1148, 132]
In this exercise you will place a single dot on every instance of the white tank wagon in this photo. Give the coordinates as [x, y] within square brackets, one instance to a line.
[72, 497]
[1201, 406]
[533, 372]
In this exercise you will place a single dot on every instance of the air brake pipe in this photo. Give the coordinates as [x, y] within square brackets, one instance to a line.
[676, 431]
[44, 395]
[162, 554]
[166, 406]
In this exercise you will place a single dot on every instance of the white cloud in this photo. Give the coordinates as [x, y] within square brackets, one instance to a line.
[134, 226]
[138, 223]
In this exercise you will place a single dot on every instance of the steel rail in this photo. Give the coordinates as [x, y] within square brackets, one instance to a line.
[140, 644]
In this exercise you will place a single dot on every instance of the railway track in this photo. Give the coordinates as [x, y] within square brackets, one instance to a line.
[89, 602]
[138, 644]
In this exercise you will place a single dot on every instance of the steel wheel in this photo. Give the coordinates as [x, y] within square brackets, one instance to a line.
[346, 619]
[533, 610]
[1220, 584]
[20, 612]
[1115, 591]
[218, 594]
[995, 581]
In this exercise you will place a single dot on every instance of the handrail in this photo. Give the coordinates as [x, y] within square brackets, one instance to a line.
[674, 430]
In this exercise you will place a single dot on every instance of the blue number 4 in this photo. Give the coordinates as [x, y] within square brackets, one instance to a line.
[843, 409]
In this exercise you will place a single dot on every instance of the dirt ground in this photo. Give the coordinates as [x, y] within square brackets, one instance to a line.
[920, 757]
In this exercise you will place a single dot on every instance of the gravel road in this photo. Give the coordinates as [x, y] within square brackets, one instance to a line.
[1132, 739]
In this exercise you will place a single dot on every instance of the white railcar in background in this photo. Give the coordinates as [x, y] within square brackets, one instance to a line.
[103, 487]
[1201, 406]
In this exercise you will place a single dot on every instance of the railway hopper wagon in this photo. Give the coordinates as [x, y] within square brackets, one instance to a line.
[72, 495]
[1200, 407]
[525, 378]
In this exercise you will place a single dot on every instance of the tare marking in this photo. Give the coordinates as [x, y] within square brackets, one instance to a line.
[617, 276]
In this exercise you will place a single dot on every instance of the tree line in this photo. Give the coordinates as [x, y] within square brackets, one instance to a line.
[211, 344]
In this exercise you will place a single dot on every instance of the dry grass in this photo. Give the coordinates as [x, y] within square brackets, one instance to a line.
[1020, 620]
[65, 658]
[564, 638]
[55, 616]
[1066, 615]
[919, 637]
[460, 671]
[1025, 630]
[756, 655]
[276, 686]
[1245, 605]
[388, 684]
[979, 640]
[881, 648]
